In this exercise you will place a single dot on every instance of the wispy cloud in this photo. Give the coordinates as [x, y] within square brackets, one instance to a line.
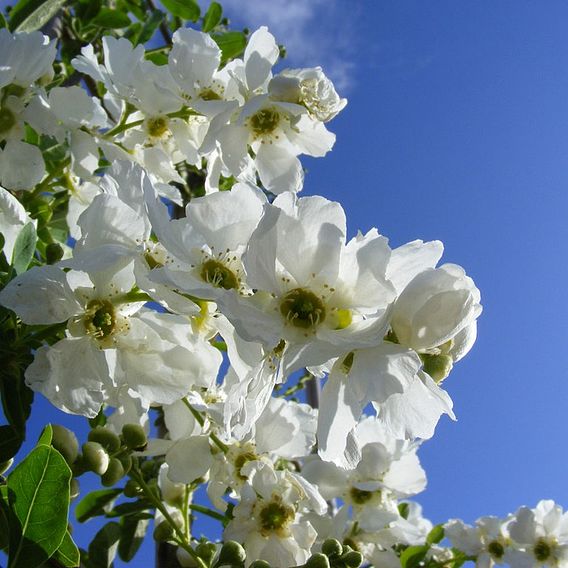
[313, 32]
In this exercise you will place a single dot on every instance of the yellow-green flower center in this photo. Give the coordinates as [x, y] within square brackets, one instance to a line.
[100, 318]
[7, 120]
[496, 549]
[302, 308]
[265, 121]
[275, 516]
[209, 95]
[241, 460]
[218, 275]
[157, 126]
[360, 496]
[542, 550]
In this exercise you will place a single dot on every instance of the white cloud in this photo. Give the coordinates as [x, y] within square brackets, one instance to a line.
[314, 32]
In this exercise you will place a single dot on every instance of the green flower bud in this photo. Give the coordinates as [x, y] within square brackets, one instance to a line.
[259, 564]
[163, 532]
[53, 253]
[437, 366]
[74, 488]
[206, 550]
[96, 458]
[134, 436]
[126, 462]
[113, 474]
[65, 442]
[5, 466]
[332, 547]
[232, 554]
[131, 489]
[317, 560]
[353, 559]
[106, 438]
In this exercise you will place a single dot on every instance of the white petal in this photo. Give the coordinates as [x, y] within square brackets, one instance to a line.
[260, 55]
[189, 459]
[21, 165]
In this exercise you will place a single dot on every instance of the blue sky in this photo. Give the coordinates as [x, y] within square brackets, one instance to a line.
[457, 129]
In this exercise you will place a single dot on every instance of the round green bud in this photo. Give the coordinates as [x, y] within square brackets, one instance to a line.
[131, 489]
[74, 488]
[96, 457]
[163, 532]
[332, 547]
[206, 550]
[79, 466]
[53, 253]
[232, 554]
[106, 438]
[317, 560]
[5, 466]
[437, 366]
[65, 442]
[353, 559]
[134, 436]
[113, 474]
[126, 462]
[259, 564]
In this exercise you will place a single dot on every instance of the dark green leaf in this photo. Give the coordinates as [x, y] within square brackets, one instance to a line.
[185, 9]
[413, 555]
[95, 503]
[157, 57]
[102, 549]
[10, 441]
[149, 27]
[42, 518]
[3, 22]
[46, 436]
[403, 510]
[129, 508]
[435, 535]
[24, 248]
[40, 14]
[67, 554]
[212, 17]
[232, 44]
[99, 420]
[112, 19]
[4, 515]
[133, 529]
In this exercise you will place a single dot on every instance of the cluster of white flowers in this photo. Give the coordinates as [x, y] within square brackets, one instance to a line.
[213, 315]
[526, 539]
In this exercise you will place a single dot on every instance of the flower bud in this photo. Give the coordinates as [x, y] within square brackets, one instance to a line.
[131, 489]
[259, 564]
[96, 458]
[232, 554]
[126, 461]
[106, 438]
[206, 550]
[353, 559]
[113, 474]
[437, 366]
[317, 560]
[74, 488]
[53, 253]
[332, 547]
[134, 436]
[65, 442]
[163, 532]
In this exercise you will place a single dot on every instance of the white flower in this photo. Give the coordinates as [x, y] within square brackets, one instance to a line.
[13, 217]
[310, 88]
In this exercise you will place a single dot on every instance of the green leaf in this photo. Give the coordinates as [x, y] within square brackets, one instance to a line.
[38, 493]
[435, 535]
[95, 503]
[129, 508]
[212, 17]
[4, 516]
[231, 44]
[150, 26]
[112, 19]
[24, 248]
[11, 440]
[3, 22]
[34, 15]
[133, 529]
[46, 436]
[185, 9]
[413, 555]
[67, 554]
[102, 549]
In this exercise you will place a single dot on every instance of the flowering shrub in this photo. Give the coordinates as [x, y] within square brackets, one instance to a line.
[162, 277]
